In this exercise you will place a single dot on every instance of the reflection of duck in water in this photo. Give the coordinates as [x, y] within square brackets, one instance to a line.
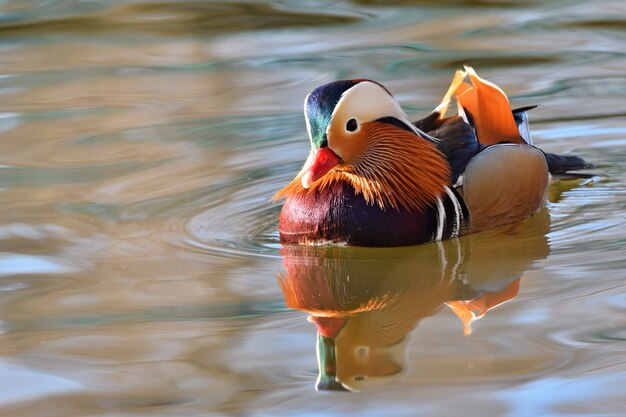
[365, 301]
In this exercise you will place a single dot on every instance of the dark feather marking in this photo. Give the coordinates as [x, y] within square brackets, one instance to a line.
[458, 143]
[573, 176]
[562, 164]
[430, 122]
[395, 122]
[523, 109]
[470, 119]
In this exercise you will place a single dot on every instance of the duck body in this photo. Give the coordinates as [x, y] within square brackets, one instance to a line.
[373, 178]
[339, 215]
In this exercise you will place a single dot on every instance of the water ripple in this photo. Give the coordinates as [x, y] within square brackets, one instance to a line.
[165, 18]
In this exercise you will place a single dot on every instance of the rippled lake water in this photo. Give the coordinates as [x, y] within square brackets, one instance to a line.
[140, 268]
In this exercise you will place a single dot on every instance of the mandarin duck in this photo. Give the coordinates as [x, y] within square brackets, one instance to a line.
[373, 178]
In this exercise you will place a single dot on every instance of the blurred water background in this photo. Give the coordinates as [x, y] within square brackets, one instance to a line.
[140, 268]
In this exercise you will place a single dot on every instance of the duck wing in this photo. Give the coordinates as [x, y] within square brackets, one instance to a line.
[500, 183]
[503, 184]
[457, 141]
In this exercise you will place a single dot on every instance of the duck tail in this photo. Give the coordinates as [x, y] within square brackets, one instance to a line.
[564, 164]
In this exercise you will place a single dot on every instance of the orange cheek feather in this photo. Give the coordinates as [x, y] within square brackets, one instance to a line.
[347, 145]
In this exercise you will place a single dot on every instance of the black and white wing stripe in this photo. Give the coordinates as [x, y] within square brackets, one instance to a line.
[452, 215]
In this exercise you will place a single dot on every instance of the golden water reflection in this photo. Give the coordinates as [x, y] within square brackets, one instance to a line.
[365, 301]
[141, 141]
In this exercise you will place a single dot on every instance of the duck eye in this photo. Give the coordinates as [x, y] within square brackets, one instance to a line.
[352, 125]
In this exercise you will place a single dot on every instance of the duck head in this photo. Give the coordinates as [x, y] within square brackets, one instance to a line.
[360, 134]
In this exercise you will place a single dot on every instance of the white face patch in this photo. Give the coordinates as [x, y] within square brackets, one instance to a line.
[365, 102]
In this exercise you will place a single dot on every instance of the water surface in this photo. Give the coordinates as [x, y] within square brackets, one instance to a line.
[140, 268]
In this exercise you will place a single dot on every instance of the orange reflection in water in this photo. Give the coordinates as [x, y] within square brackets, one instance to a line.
[365, 301]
